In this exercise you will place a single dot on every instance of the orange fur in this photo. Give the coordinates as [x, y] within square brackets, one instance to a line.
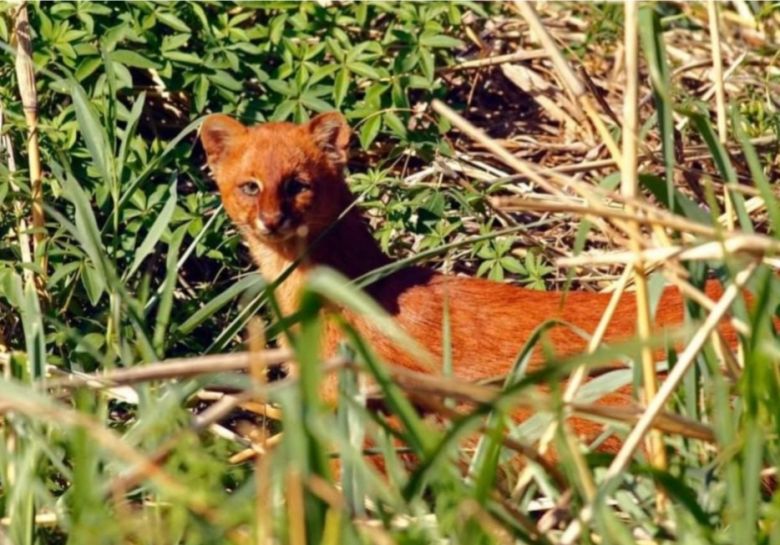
[300, 171]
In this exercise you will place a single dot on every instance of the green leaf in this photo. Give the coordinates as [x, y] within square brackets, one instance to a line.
[652, 38]
[364, 69]
[158, 228]
[129, 133]
[512, 265]
[172, 21]
[340, 87]
[439, 40]
[682, 204]
[396, 125]
[277, 28]
[224, 79]
[94, 284]
[181, 56]
[92, 131]
[166, 297]
[251, 282]
[756, 171]
[370, 130]
[315, 103]
[722, 161]
[131, 58]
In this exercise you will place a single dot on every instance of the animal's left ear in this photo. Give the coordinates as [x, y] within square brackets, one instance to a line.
[331, 134]
[220, 134]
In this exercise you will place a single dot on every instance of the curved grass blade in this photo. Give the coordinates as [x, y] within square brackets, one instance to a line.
[161, 332]
[652, 38]
[155, 232]
[757, 173]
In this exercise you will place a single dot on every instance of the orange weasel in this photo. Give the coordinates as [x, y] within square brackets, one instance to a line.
[283, 185]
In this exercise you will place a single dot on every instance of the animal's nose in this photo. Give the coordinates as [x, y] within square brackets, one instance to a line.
[272, 221]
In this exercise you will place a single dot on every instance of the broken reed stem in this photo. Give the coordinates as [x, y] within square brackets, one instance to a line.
[720, 97]
[25, 74]
[630, 188]
[568, 76]
[655, 406]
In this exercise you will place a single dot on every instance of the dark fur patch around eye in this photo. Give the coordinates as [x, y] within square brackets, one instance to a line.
[295, 187]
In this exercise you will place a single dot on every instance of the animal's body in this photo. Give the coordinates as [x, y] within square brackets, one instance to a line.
[283, 186]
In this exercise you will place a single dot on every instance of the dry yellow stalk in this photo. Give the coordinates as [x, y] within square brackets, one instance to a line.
[25, 74]
[630, 188]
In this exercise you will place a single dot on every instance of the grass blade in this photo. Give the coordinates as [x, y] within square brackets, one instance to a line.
[155, 232]
[652, 39]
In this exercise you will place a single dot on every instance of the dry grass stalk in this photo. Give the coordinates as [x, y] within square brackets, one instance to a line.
[424, 386]
[750, 245]
[517, 56]
[25, 74]
[691, 292]
[171, 369]
[296, 509]
[720, 96]
[686, 359]
[630, 188]
[663, 219]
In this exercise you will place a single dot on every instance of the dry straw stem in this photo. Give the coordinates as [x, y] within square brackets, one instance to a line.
[700, 298]
[296, 509]
[256, 449]
[630, 188]
[648, 216]
[720, 96]
[654, 408]
[570, 79]
[517, 56]
[222, 407]
[172, 369]
[25, 74]
[736, 244]
[423, 384]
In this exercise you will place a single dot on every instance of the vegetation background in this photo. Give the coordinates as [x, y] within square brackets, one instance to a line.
[126, 259]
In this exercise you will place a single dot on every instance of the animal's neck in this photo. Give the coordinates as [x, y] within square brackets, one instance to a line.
[347, 246]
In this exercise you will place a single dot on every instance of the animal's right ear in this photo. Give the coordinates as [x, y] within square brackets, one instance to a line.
[219, 133]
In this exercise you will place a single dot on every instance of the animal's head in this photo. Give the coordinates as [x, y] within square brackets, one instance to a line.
[279, 179]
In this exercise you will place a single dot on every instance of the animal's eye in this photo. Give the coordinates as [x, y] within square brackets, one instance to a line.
[295, 186]
[250, 188]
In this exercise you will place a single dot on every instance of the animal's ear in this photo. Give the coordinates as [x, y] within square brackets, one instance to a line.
[331, 134]
[219, 133]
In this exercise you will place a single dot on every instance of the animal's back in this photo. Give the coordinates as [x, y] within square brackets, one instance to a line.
[490, 322]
